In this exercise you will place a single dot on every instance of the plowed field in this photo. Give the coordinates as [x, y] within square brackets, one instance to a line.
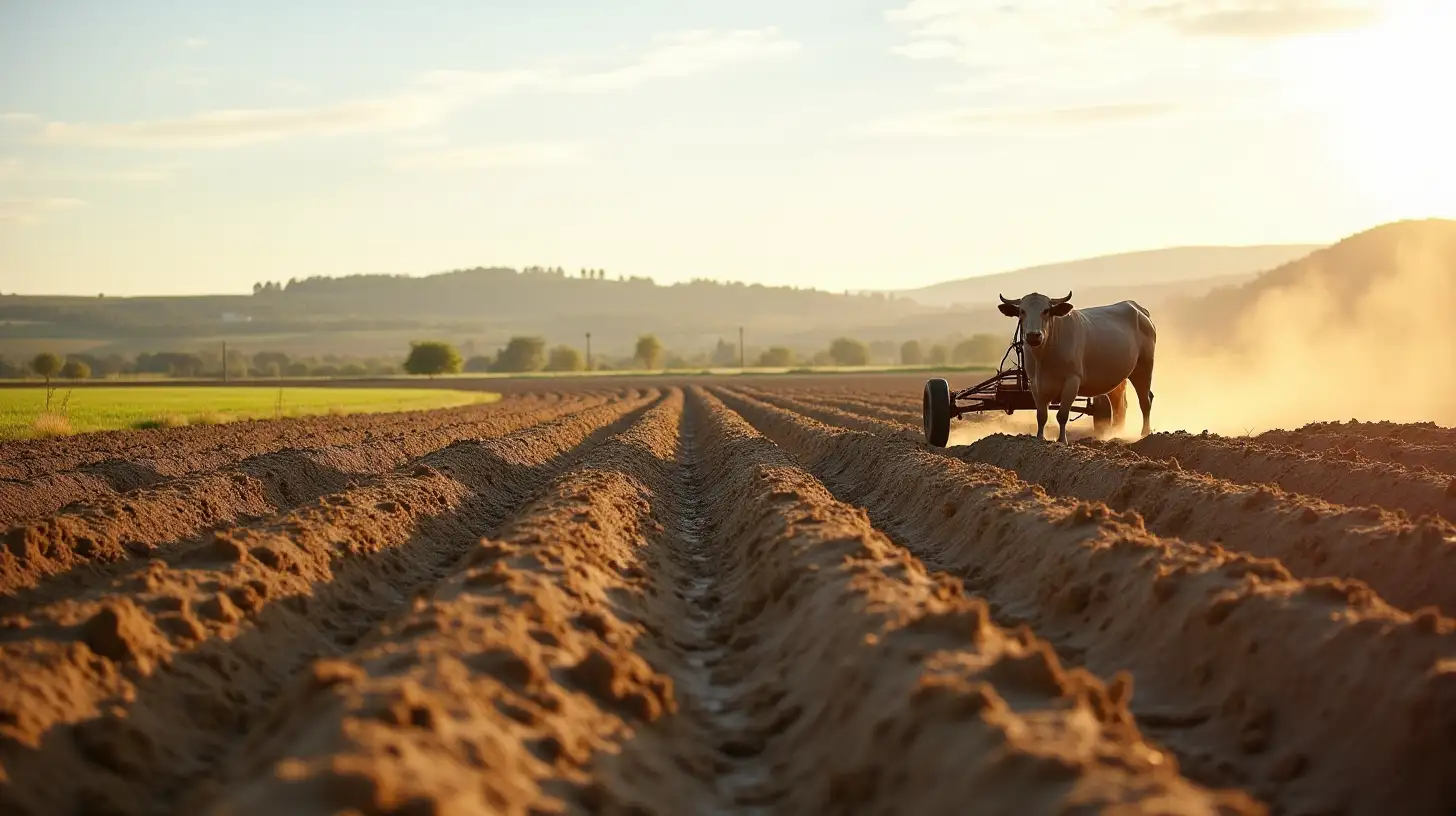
[725, 598]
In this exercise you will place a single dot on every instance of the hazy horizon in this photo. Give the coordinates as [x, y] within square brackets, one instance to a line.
[172, 149]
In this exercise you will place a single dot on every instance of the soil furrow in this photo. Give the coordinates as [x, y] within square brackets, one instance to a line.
[163, 670]
[837, 417]
[899, 414]
[534, 679]
[1415, 433]
[44, 492]
[863, 684]
[146, 522]
[1410, 564]
[210, 444]
[1356, 483]
[1440, 458]
[1254, 678]
[519, 675]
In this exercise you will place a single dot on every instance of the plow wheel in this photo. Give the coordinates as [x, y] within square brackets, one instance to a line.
[935, 410]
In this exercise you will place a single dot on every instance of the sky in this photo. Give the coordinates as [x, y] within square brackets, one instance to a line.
[169, 147]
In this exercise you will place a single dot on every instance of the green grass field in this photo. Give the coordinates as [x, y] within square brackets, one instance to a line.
[103, 409]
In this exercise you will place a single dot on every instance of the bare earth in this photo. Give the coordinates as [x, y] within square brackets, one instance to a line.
[725, 595]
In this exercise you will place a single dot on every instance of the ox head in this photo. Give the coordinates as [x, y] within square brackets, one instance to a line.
[1035, 313]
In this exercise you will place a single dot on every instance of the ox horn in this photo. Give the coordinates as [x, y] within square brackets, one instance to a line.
[1011, 302]
[1060, 301]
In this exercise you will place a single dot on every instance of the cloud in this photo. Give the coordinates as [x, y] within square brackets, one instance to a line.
[225, 128]
[15, 168]
[1268, 19]
[32, 210]
[959, 122]
[685, 54]
[509, 155]
[1039, 62]
[194, 43]
[423, 104]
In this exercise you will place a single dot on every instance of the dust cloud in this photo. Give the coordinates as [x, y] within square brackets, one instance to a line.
[1306, 353]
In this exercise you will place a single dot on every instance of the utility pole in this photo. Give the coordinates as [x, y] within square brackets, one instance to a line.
[224, 363]
[588, 352]
[741, 359]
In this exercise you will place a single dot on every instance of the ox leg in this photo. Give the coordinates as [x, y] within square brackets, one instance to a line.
[1064, 411]
[1041, 414]
[1118, 398]
[1142, 382]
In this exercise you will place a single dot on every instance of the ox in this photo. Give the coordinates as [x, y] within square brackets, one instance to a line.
[1073, 353]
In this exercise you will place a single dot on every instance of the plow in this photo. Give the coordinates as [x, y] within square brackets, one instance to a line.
[1008, 390]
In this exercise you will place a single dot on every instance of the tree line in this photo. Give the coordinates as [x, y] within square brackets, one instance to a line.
[521, 354]
[263, 364]
[527, 354]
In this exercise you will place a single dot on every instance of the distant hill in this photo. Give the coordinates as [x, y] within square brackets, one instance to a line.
[1387, 272]
[379, 314]
[1115, 277]
[481, 309]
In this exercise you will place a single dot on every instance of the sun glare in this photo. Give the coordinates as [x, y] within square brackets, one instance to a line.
[1383, 93]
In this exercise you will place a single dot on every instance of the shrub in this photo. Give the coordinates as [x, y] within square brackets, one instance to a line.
[648, 352]
[776, 357]
[49, 426]
[565, 358]
[846, 351]
[353, 370]
[297, 369]
[521, 354]
[479, 364]
[431, 357]
[938, 355]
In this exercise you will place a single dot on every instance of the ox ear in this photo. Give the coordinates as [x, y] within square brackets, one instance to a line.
[1062, 309]
[1010, 309]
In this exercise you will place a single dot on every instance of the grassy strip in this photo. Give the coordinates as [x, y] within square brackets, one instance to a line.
[23, 413]
[724, 371]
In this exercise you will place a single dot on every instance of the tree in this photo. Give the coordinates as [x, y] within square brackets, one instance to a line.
[46, 364]
[649, 351]
[776, 357]
[911, 353]
[938, 355]
[479, 364]
[431, 357]
[76, 370]
[565, 358]
[521, 354]
[846, 351]
[978, 348]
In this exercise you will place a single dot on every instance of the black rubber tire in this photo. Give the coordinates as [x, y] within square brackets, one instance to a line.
[935, 412]
[1101, 414]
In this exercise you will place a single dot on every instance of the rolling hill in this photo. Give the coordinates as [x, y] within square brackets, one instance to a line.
[1336, 288]
[481, 308]
[1156, 272]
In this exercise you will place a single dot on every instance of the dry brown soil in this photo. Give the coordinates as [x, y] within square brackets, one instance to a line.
[719, 596]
